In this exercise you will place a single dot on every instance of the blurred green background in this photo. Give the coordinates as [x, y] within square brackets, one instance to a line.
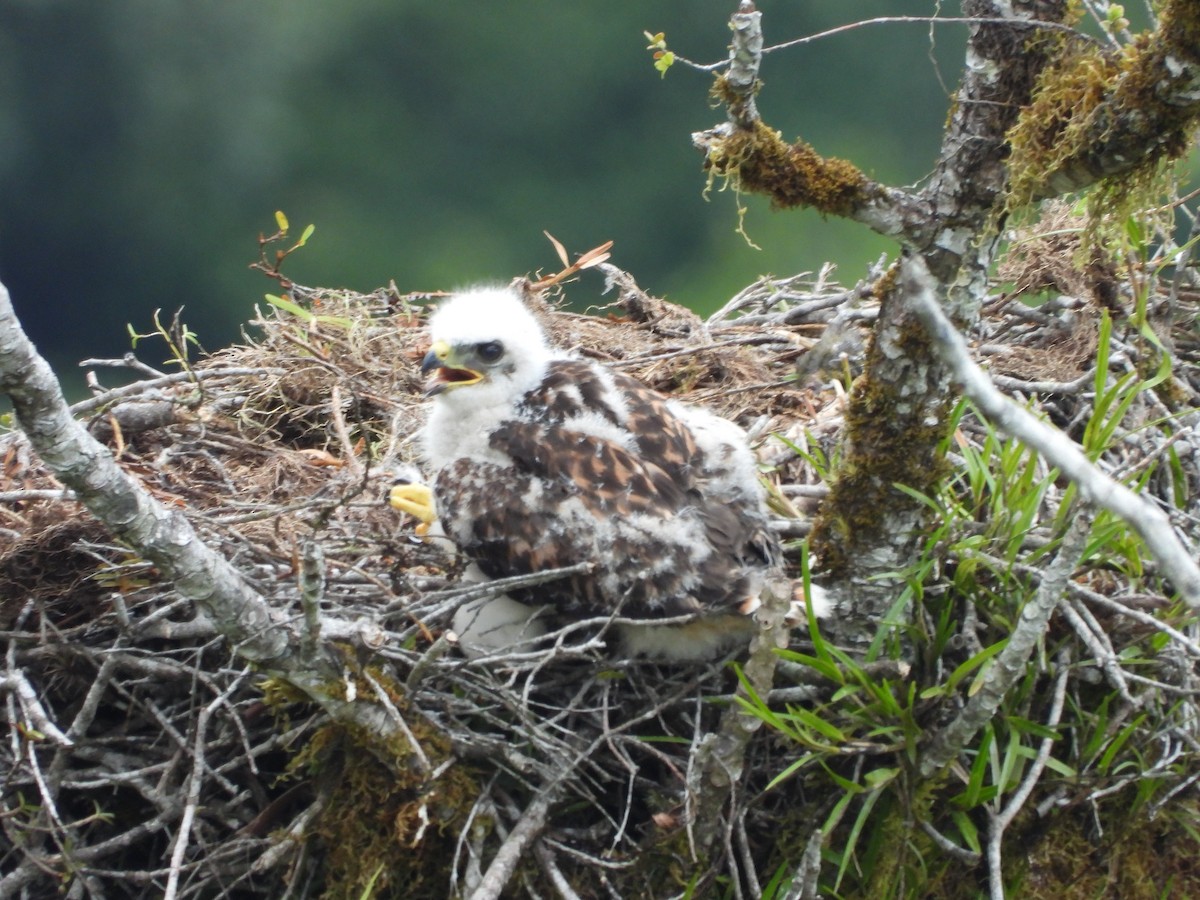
[144, 144]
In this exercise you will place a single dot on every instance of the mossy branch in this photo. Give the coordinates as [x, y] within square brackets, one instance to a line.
[751, 156]
[1097, 115]
[745, 57]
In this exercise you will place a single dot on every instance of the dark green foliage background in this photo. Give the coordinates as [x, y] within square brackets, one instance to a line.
[145, 143]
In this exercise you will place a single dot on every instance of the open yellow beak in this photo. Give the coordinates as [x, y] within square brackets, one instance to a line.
[441, 359]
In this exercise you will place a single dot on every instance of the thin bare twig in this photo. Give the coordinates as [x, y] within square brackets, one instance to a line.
[1009, 665]
[195, 780]
[1000, 821]
[1178, 563]
[16, 682]
[924, 20]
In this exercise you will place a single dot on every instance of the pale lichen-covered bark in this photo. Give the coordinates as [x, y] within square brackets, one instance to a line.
[899, 409]
[165, 537]
[898, 412]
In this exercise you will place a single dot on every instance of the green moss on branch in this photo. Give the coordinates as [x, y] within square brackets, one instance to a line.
[759, 161]
[1110, 117]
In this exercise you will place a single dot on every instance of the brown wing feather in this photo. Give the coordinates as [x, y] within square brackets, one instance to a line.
[660, 434]
[607, 478]
[661, 547]
[574, 387]
[485, 509]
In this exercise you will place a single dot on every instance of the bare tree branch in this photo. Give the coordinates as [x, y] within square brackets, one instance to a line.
[1151, 524]
[1009, 665]
[166, 538]
[1000, 821]
[720, 761]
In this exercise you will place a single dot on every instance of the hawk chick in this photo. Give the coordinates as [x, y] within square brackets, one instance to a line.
[541, 460]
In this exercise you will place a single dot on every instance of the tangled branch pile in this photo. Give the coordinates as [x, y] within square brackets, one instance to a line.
[142, 758]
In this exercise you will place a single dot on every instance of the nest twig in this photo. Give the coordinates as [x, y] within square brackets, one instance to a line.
[140, 755]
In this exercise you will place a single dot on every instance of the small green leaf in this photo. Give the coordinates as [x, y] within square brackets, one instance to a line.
[1106, 760]
[970, 665]
[663, 739]
[824, 665]
[281, 220]
[1056, 765]
[973, 794]
[663, 60]
[938, 690]
[791, 770]
[369, 890]
[306, 235]
[657, 41]
[816, 723]
[1036, 729]
[290, 306]
[860, 822]
[970, 834]
[877, 778]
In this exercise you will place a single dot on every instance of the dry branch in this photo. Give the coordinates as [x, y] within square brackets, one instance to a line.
[1177, 561]
[471, 774]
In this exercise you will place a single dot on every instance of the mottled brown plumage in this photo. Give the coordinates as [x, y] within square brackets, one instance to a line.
[636, 499]
[541, 461]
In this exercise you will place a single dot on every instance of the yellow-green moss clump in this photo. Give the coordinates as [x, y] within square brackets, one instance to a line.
[386, 829]
[882, 457]
[1134, 859]
[883, 452]
[760, 161]
[1108, 117]
[1053, 129]
[394, 833]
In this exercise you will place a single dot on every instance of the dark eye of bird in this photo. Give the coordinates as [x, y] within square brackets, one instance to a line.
[491, 351]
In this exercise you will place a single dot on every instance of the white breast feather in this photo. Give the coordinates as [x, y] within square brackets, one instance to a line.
[733, 470]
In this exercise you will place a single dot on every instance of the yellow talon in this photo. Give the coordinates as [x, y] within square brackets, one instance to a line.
[416, 500]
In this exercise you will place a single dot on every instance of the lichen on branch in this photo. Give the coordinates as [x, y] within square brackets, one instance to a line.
[1115, 117]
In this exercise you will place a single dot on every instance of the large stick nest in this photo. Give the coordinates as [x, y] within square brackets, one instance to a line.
[143, 757]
